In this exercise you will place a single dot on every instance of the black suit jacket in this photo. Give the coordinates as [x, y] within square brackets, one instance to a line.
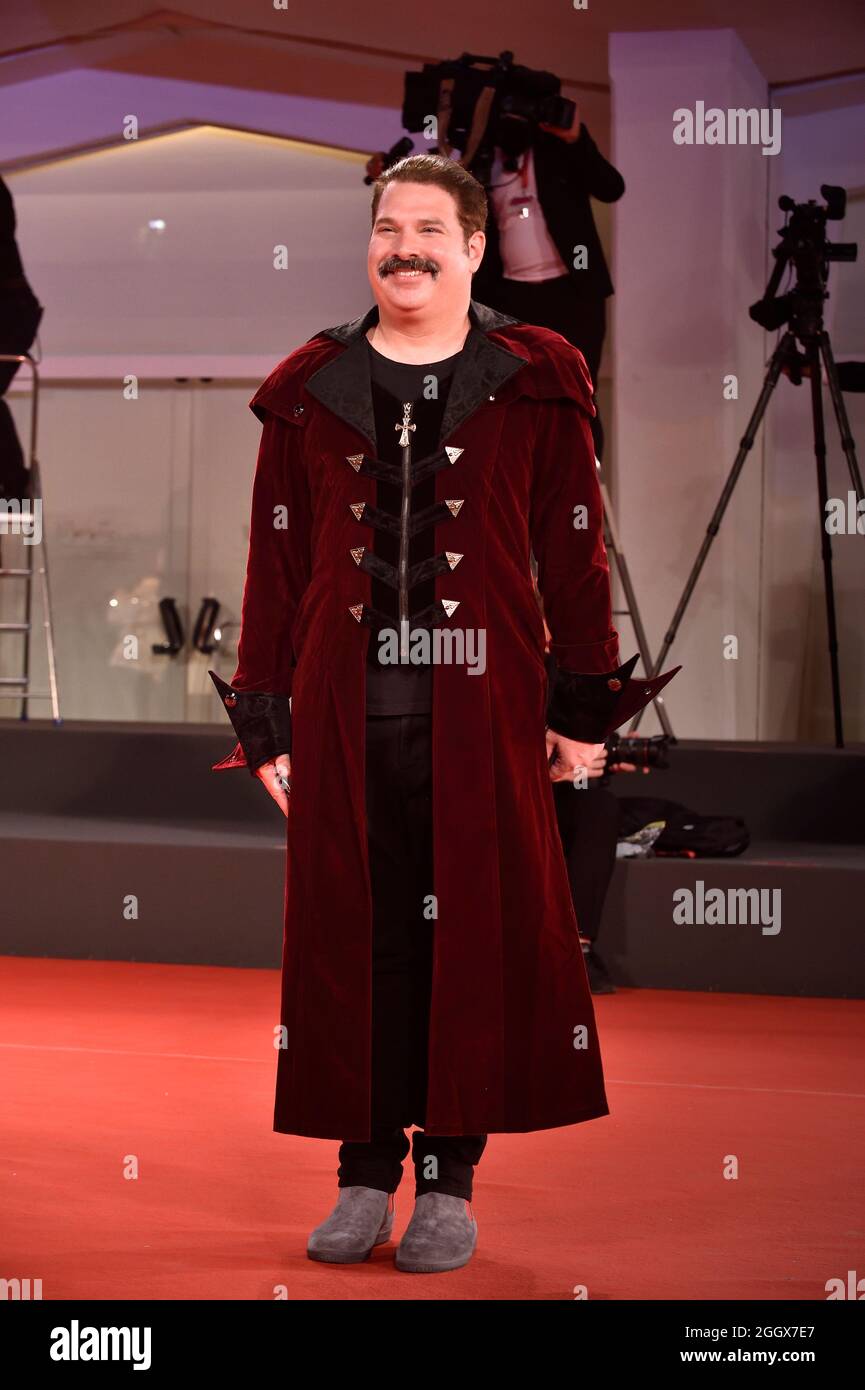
[567, 176]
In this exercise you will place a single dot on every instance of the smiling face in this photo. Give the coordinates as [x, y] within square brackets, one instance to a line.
[418, 262]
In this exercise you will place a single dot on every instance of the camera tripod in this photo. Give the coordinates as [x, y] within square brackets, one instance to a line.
[803, 308]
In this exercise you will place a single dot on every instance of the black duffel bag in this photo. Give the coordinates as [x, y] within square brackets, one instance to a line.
[685, 832]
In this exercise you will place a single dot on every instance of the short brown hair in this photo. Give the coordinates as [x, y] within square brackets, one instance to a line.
[468, 194]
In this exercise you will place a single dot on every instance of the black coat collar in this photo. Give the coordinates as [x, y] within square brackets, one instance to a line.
[343, 384]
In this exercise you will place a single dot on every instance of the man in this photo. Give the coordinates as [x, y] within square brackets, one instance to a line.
[544, 262]
[432, 973]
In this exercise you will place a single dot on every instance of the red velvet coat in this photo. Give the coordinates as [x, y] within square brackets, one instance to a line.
[512, 1039]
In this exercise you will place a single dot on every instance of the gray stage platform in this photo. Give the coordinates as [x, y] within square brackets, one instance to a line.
[92, 814]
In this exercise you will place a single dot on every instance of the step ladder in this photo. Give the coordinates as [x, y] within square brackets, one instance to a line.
[18, 687]
[632, 611]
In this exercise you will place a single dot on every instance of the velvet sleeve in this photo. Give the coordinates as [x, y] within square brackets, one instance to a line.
[566, 525]
[589, 694]
[277, 573]
[566, 528]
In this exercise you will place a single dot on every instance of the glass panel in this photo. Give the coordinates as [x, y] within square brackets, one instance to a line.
[158, 262]
[116, 518]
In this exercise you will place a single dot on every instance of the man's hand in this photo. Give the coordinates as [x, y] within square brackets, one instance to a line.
[571, 758]
[270, 774]
[570, 134]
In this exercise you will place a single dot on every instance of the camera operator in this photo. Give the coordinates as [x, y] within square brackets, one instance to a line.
[540, 213]
[20, 313]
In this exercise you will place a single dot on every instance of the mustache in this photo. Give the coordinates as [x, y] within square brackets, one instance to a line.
[394, 263]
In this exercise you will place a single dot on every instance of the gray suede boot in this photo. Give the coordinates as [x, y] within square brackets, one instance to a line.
[441, 1235]
[361, 1219]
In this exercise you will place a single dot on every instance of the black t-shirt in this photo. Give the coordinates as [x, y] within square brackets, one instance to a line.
[404, 689]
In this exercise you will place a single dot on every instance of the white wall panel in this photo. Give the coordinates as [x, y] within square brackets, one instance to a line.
[689, 259]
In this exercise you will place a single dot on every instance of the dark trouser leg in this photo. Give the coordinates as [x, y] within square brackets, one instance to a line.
[399, 831]
[557, 304]
[376, 1164]
[588, 821]
[446, 1162]
[13, 472]
[20, 313]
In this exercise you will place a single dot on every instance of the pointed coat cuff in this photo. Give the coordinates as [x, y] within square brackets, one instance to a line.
[262, 722]
[590, 708]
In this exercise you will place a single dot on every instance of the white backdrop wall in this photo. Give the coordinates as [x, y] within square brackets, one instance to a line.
[689, 244]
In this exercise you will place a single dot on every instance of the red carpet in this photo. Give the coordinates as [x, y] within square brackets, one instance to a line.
[174, 1065]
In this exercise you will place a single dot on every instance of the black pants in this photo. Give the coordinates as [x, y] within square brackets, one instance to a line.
[588, 821]
[557, 304]
[20, 313]
[399, 830]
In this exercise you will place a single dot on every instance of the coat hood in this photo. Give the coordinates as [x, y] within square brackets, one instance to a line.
[501, 354]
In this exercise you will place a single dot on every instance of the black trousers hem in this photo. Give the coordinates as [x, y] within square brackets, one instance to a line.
[442, 1163]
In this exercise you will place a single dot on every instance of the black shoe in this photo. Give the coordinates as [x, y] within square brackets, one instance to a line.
[599, 979]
